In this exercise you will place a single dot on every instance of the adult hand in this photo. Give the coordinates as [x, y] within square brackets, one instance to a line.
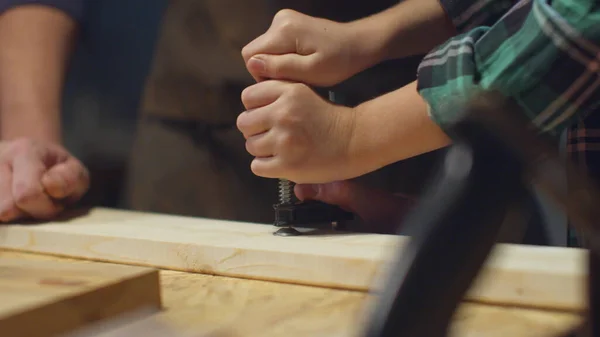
[381, 211]
[305, 49]
[295, 134]
[37, 180]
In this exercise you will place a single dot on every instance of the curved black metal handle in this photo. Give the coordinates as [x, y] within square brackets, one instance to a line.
[458, 221]
[497, 154]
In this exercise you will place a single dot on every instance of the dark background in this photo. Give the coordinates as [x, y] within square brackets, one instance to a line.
[104, 86]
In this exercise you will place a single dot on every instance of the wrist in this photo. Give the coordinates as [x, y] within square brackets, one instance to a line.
[351, 162]
[367, 42]
[32, 123]
[365, 149]
[394, 127]
[407, 29]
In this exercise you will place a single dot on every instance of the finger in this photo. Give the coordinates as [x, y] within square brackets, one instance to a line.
[262, 94]
[271, 42]
[67, 180]
[262, 145]
[27, 188]
[291, 67]
[266, 167]
[255, 122]
[8, 209]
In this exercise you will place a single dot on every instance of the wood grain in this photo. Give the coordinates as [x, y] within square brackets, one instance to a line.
[198, 305]
[212, 306]
[548, 277]
[46, 298]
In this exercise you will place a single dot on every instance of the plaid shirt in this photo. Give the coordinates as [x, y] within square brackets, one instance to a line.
[544, 54]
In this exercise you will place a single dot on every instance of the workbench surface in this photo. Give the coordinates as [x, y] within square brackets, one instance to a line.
[223, 306]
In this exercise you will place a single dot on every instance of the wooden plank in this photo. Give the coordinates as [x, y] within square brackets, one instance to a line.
[200, 305]
[47, 298]
[548, 277]
[204, 305]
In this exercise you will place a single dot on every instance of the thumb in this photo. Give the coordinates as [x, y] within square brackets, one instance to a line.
[292, 67]
[68, 180]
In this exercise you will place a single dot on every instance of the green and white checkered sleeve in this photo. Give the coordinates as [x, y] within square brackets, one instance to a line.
[543, 54]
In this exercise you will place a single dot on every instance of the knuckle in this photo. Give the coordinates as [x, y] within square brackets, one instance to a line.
[258, 169]
[298, 89]
[245, 96]
[287, 117]
[290, 147]
[284, 15]
[242, 124]
[286, 21]
[287, 140]
[250, 147]
[246, 53]
[239, 123]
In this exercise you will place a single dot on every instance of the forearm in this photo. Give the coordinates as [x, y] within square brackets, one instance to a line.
[35, 43]
[414, 27]
[394, 127]
[410, 28]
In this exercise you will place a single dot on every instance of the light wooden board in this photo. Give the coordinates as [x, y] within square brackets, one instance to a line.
[197, 305]
[211, 306]
[515, 275]
[45, 298]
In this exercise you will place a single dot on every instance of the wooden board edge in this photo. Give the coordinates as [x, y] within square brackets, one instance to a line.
[137, 292]
[505, 284]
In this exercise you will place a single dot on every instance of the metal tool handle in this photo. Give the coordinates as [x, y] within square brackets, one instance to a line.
[458, 220]
[538, 153]
[497, 155]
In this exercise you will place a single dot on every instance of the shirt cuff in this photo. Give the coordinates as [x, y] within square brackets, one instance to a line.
[73, 8]
[448, 77]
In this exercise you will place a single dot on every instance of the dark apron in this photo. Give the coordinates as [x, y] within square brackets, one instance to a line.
[188, 157]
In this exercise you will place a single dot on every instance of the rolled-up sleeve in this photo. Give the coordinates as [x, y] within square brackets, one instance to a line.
[73, 8]
[543, 54]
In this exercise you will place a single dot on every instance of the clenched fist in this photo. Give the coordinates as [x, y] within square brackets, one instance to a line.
[305, 49]
[37, 180]
[295, 134]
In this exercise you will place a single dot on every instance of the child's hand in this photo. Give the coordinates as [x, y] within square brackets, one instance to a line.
[297, 135]
[305, 49]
